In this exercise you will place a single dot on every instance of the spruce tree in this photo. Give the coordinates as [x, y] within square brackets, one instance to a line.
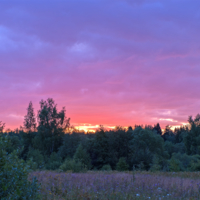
[2, 125]
[29, 119]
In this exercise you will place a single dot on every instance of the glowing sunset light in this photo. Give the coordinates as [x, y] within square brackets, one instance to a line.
[170, 120]
[108, 62]
[91, 128]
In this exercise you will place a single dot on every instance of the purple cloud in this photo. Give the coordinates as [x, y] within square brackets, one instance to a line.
[109, 62]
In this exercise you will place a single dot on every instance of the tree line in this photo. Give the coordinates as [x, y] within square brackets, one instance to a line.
[48, 144]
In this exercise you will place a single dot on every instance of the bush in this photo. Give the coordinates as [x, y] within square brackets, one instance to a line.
[72, 165]
[122, 165]
[184, 162]
[155, 164]
[32, 165]
[54, 162]
[174, 164]
[106, 168]
[37, 157]
[14, 184]
[82, 156]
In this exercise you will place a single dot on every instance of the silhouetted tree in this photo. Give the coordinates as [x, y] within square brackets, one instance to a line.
[168, 134]
[144, 145]
[99, 149]
[192, 139]
[130, 128]
[29, 119]
[51, 127]
[70, 144]
[2, 125]
[157, 129]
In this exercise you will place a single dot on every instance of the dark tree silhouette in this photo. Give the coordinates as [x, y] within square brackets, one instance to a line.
[157, 129]
[29, 119]
[51, 126]
[2, 125]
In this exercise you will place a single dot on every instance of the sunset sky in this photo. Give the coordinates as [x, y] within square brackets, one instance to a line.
[109, 62]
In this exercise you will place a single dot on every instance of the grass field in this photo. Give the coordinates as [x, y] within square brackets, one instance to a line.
[118, 185]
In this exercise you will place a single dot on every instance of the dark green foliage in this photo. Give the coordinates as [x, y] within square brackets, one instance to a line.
[99, 149]
[118, 147]
[27, 140]
[174, 165]
[106, 168]
[171, 148]
[82, 156]
[51, 127]
[122, 165]
[73, 165]
[157, 129]
[48, 146]
[36, 157]
[195, 163]
[168, 134]
[184, 162]
[12, 143]
[54, 162]
[14, 182]
[2, 125]
[29, 119]
[192, 139]
[144, 145]
[156, 164]
[70, 144]
[33, 166]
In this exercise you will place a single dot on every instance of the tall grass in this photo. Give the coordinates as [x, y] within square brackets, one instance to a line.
[117, 185]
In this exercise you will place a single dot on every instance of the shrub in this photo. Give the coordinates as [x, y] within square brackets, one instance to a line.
[155, 164]
[122, 165]
[174, 164]
[14, 184]
[37, 157]
[32, 165]
[54, 162]
[184, 162]
[106, 168]
[82, 156]
[195, 163]
[72, 165]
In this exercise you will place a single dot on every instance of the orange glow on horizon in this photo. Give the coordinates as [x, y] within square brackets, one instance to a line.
[91, 128]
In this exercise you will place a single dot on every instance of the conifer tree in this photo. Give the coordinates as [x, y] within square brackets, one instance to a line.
[29, 119]
[157, 129]
[2, 125]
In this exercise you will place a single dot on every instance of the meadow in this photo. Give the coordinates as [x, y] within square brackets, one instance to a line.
[118, 185]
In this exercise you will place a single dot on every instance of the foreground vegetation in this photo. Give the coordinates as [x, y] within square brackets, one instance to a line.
[118, 185]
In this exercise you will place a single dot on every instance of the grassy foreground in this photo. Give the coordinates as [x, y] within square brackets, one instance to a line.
[118, 185]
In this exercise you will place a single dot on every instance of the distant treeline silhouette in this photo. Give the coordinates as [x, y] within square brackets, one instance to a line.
[51, 144]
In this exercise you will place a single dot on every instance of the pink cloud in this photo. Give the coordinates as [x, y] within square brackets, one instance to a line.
[109, 62]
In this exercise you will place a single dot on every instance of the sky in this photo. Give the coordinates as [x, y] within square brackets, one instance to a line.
[109, 62]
